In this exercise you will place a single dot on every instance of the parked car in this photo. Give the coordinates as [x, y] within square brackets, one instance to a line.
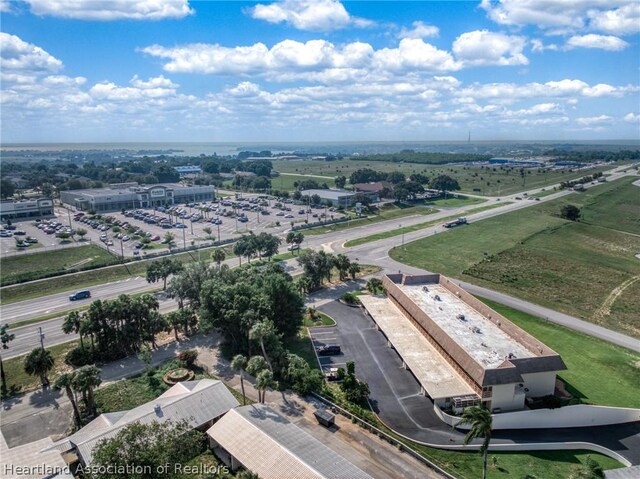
[19, 233]
[293, 247]
[328, 350]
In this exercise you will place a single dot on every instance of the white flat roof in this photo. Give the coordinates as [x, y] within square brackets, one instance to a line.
[433, 371]
[484, 341]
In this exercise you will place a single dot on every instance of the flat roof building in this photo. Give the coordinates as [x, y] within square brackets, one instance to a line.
[131, 195]
[26, 208]
[460, 350]
[259, 439]
[188, 170]
[342, 198]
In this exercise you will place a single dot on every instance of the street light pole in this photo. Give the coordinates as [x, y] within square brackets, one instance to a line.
[400, 226]
[41, 334]
[218, 223]
[184, 239]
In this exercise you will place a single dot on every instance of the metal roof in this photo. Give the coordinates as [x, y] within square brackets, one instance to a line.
[197, 402]
[269, 445]
[328, 194]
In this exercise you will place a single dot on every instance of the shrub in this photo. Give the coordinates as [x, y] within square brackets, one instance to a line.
[349, 298]
[79, 356]
[189, 357]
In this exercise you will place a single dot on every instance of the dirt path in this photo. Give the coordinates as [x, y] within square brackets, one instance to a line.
[605, 308]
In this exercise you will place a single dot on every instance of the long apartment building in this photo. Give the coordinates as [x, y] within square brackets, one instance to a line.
[132, 195]
[460, 350]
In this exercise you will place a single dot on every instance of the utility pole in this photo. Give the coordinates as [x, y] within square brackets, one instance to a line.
[41, 334]
[122, 249]
[402, 231]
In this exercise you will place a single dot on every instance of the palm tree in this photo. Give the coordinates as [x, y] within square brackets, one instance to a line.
[175, 320]
[479, 417]
[354, 269]
[86, 379]
[238, 363]
[303, 284]
[342, 264]
[218, 256]
[263, 381]
[72, 324]
[5, 339]
[259, 331]
[374, 285]
[38, 363]
[65, 381]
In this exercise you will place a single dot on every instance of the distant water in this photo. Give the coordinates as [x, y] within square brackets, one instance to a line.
[363, 147]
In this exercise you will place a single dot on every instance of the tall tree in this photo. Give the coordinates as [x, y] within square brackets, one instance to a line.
[239, 363]
[342, 264]
[259, 332]
[162, 269]
[66, 381]
[72, 324]
[5, 338]
[218, 256]
[444, 183]
[340, 181]
[86, 379]
[147, 447]
[38, 363]
[354, 269]
[264, 379]
[479, 418]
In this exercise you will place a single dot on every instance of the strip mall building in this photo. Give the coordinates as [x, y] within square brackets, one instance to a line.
[460, 350]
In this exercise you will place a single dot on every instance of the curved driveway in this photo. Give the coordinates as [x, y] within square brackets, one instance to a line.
[396, 399]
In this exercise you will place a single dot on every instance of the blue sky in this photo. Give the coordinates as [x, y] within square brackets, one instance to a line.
[319, 70]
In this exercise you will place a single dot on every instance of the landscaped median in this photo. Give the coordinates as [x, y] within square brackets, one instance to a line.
[416, 227]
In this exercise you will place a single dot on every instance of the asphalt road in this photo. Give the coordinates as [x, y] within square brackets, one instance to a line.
[370, 253]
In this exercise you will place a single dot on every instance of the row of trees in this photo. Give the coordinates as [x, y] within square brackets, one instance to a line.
[261, 245]
[318, 267]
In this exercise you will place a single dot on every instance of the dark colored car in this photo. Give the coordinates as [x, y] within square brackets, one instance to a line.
[328, 350]
[85, 293]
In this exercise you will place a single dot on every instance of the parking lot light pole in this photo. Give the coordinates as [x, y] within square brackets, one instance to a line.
[184, 239]
[400, 226]
[191, 226]
[218, 223]
[122, 249]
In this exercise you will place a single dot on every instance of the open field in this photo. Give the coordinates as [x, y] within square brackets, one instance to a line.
[453, 202]
[388, 212]
[286, 182]
[37, 265]
[598, 372]
[583, 261]
[484, 180]
[419, 226]
[84, 279]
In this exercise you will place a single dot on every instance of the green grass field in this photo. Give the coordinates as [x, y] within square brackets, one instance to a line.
[387, 212]
[419, 226]
[582, 261]
[490, 181]
[454, 202]
[32, 266]
[286, 182]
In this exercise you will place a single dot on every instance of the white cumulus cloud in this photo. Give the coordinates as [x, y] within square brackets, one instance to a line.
[592, 40]
[112, 9]
[16, 55]
[631, 118]
[481, 47]
[315, 15]
[594, 120]
[419, 30]
[620, 21]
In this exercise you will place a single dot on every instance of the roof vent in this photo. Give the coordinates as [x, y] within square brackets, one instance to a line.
[158, 409]
[512, 356]
[476, 330]
[425, 289]
[436, 297]
[461, 317]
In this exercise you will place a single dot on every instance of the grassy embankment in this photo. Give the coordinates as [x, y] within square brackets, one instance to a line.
[416, 227]
[387, 212]
[573, 267]
[22, 292]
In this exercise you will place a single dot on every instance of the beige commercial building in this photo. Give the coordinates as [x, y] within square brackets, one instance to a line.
[460, 350]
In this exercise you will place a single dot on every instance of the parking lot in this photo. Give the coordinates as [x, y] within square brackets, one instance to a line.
[124, 233]
[326, 336]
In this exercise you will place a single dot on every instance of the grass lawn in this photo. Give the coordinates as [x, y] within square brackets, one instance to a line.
[416, 227]
[598, 372]
[301, 345]
[20, 382]
[85, 279]
[322, 319]
[388, 212]
[583, 261]
[454, 202]
[32, 266]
